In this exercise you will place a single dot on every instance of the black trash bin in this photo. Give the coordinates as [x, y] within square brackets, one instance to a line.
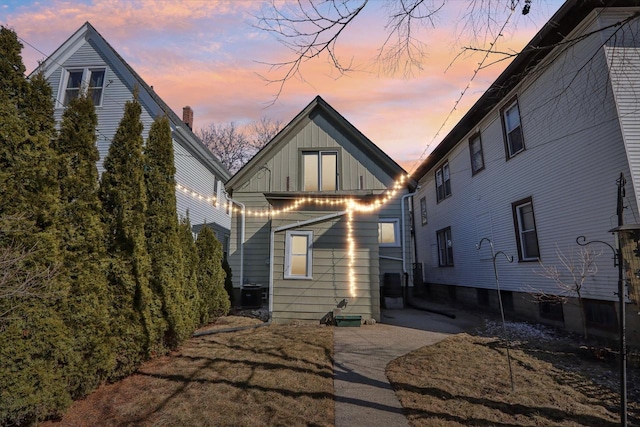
[251, 295]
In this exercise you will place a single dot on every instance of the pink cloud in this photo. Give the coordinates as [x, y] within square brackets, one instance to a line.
[207, 55]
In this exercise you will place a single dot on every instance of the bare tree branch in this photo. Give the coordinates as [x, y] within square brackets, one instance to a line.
[569, 276]
[20, 279]
[235, 145]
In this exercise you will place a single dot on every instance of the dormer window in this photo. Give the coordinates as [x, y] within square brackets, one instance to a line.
[90, 80]
[319, 170]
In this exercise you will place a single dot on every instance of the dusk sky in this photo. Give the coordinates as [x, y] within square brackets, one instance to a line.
[210, 55]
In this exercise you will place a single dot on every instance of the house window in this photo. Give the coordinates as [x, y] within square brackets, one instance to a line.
[514, 142]
[423, 210]
[600, 314]
[507, 300]
[298, 254]
[483, 297]
[526, 235]
[388, 232]
[90, 80]
[443, 182]
[320, 171]
[551, 309]
[477, 158]
[452, 292]
[445, 248]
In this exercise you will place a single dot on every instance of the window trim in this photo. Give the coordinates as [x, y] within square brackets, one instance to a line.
[441, 170]
[396, 232]
[447, 262]
[472, 138]
[423, 210]
[513, 101]
[319, 152]
[86, 77]
[516, 222]
[287, 258]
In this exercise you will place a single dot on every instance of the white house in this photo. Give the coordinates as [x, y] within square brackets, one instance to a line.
[86, 60]
[533, 165]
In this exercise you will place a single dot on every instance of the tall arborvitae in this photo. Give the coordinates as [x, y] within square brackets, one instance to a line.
[215, 300]
[189, 268]
[34, 343]
[136, 313]
[82, 235]
[162, 233]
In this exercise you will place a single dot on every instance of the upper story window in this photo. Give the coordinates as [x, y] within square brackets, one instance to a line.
[319, 170]
[526, 234]
[477, 158]
[389, 232]
[445, 247]
[423, 210]
[443, 182]
[512, 128]
[78, 81]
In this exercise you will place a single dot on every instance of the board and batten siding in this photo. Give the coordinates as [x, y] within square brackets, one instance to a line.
[573, 155]
[317, 134]
[312, 299]
[189, 170]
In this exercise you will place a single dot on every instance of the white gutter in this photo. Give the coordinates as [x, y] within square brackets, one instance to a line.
[403, 232]
[242, 227]
[288, 227]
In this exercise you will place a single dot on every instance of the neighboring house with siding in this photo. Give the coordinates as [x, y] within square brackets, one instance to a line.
[533, 165]
[87, 62]
[296, 236]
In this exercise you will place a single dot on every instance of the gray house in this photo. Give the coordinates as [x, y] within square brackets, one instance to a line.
[87, 62]
[533, 165]
[321, 219]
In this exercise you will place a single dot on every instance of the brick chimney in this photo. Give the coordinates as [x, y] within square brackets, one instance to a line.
[187, 116]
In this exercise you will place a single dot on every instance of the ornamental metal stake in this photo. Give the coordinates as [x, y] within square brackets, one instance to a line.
[619, 262]
[495, 272]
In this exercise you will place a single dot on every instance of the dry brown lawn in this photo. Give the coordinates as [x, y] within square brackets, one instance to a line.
[273, 375]
[464, 380]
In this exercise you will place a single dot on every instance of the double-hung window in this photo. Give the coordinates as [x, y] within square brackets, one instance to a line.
[320, 170]
[443, 182]
[423, 210]
[298, 254]
[477, 158]
[512, 128]
[389, 232]
[445, 247]
[85, 80]
[526, 235]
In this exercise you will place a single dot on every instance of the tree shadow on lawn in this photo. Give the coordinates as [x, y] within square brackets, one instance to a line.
[571, 364]
[278, 352]
[551, 414]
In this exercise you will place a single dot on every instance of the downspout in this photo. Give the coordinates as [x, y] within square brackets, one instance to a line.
[242, 227]
[402, 235]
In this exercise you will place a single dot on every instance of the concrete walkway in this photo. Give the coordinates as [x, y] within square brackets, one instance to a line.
[364, 396]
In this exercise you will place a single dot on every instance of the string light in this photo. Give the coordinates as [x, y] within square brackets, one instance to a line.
[350, 205]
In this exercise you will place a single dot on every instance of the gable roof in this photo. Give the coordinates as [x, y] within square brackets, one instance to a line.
[146, 93]
[563, 22]
[317, 106]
